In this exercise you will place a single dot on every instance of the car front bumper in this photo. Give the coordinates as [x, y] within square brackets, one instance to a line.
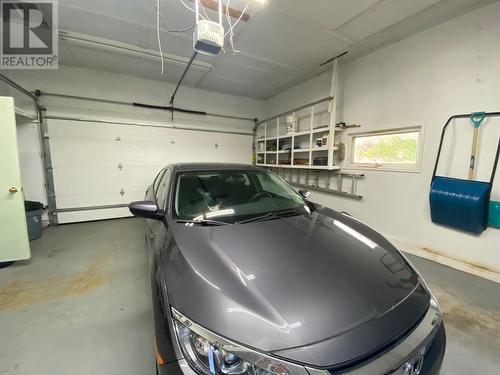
[420, 353]
[434, 356]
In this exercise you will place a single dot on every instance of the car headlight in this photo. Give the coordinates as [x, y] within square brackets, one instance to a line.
[210, 354]
[435, 305]
[433, 302]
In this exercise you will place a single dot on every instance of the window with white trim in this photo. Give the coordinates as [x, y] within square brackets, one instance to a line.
[395, 149]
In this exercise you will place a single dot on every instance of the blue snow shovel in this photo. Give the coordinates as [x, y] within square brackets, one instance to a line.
[459, 203]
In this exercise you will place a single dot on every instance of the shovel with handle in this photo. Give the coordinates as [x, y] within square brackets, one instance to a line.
[476, 118]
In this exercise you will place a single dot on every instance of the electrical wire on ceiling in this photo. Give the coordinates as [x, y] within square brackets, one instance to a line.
[238, 20]
[204, 11]
[160, 21]
[187, 6]
[179, 31]
[204, 16]
[158, 34]
[163, 22]
[228, 19]
[230, 31]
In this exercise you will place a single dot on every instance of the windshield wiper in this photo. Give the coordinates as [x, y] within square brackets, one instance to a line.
[204, 222]
[271, 215]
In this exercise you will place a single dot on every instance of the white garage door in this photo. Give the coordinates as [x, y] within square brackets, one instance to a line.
[102, 164]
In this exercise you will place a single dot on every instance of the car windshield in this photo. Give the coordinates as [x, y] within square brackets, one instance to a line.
[232, 196]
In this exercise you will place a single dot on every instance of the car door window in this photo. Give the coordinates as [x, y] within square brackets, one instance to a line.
[161, 191]
[270, 183]
[157, 180]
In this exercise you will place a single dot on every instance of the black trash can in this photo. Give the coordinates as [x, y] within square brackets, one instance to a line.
[34, 219]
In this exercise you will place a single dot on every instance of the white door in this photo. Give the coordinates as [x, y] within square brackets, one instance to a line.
[14, 244]
[102, 164]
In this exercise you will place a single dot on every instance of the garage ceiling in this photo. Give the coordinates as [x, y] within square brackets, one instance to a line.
[283, 43]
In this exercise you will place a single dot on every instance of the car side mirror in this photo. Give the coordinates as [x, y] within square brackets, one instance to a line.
[305, 193]
[146, 209]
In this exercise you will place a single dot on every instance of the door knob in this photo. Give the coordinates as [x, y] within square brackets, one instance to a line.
[13, 190]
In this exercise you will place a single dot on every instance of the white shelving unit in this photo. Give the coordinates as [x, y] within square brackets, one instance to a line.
[299, 149]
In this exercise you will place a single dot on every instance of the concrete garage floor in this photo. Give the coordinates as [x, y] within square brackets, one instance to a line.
[81, 305]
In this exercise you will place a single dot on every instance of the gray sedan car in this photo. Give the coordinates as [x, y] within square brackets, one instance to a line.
[251, 278]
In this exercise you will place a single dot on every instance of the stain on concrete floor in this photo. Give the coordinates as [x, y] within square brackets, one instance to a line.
[21, 293]
[97, 321]
[465, 316]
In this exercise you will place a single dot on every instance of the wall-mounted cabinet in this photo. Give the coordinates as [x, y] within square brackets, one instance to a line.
[303, 139]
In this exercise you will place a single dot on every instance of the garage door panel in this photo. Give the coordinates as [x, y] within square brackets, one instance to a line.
[71, 180]
[78, 216]
[67, 153]
[104, 198]
[94, 162]
[91, 186]
[81, 130]
[77, 187]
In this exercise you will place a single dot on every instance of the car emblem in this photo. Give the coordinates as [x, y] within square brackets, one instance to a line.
[414, 366]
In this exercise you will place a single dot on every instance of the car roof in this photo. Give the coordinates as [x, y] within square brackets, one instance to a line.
[191, 167]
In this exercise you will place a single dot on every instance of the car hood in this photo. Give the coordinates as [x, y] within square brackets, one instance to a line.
[321, 289]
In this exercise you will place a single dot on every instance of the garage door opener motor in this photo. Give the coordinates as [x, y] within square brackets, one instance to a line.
[208, 37]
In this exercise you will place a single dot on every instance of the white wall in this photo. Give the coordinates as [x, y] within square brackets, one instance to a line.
[309, 91]
[89, 83]
[422, 80]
